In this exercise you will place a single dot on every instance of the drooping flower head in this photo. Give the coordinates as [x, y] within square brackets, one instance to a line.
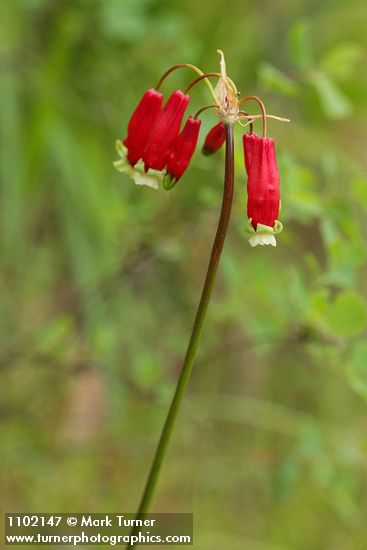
[159, 145]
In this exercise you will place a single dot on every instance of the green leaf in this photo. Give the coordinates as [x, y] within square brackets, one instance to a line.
[357, 369]
[319, 302]
[126, 20]
[301, 198]
[346, 316]
[359, 188]
[275, 80]
[339, 62]
[334, 103]
[299, 44]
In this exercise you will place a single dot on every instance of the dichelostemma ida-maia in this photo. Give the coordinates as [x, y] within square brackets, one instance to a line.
[157, 151]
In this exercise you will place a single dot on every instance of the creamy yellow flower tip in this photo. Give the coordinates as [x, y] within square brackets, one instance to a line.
[263, 238]
[263, 234]
[136, 173]
[145, 179]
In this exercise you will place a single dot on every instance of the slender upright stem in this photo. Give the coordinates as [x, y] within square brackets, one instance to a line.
[196, 331]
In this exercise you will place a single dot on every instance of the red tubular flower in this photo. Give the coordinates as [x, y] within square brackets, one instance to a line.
[215, 139]
[164, 131]
[141, 123]
[262, 188]
[248, 144]
[182, 150]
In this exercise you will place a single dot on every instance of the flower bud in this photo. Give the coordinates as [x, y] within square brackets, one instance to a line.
[182, 150]
[141, 123]
[215, 139]
[164, 131]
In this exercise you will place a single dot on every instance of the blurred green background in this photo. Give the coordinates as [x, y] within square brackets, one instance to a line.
[99, 278]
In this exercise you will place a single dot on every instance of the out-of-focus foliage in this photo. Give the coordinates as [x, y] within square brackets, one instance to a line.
[99, 279]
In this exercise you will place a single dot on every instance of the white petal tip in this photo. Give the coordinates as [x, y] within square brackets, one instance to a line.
[145, 179]
[263, 237]
[137, 172]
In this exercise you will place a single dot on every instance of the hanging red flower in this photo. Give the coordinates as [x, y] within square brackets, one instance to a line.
[164, 131]
[182, 150]
[141, 123]
[263, 199]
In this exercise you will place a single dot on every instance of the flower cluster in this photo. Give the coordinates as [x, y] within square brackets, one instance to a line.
[156, 149]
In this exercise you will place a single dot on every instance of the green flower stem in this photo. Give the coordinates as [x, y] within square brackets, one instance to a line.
[196, 331]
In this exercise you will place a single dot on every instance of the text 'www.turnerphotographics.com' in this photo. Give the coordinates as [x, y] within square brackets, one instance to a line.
[99, 529]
